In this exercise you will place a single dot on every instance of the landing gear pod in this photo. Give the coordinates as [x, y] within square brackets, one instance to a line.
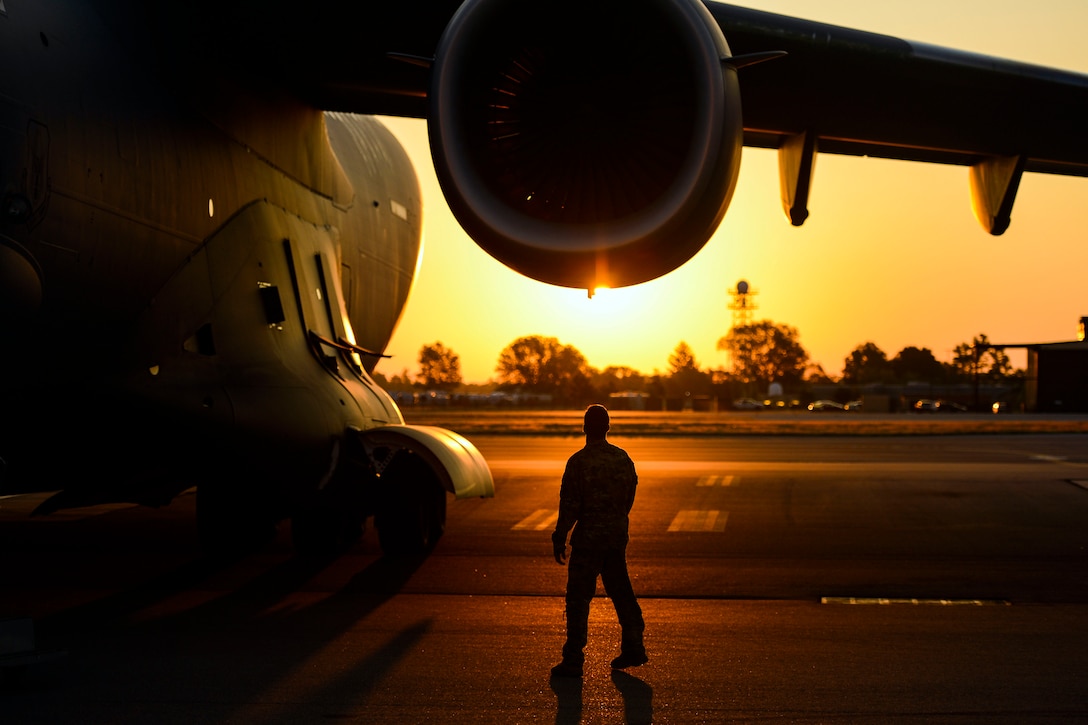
[416, 466]
[456, 463]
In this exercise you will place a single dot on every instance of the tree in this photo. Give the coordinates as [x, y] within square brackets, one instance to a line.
[916, 365]
[1000, 364]
[815, 375]
[866, 364]
[978, 359]
[439, 367]
[682, 359]
[764, 353]
[403, 381]
[544, 365]
[685, 378]
[617, 379]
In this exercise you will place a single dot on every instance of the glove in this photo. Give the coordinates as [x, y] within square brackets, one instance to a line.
[559, 547]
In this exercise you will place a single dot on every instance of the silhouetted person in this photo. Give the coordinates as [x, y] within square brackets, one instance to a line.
[597, 493]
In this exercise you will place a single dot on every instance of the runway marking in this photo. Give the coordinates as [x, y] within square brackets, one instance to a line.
[539, 520]
[1079, 482]
[691, 520]
[706, 481]
[918, 602]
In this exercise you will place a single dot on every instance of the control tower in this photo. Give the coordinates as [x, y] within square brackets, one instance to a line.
[742, 303]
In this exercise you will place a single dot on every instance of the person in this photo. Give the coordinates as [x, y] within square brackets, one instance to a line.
[595, 499]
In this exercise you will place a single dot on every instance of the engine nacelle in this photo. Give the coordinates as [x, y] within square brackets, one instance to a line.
[586, 144]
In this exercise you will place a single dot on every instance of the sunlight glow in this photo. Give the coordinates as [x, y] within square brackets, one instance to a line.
[602, 305]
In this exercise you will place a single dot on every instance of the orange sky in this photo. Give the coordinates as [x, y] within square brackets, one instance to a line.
[891, 253]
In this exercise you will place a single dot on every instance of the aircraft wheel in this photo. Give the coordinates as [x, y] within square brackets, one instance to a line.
[325, 530]
[229, 521]
[436, 512]
[412, 516]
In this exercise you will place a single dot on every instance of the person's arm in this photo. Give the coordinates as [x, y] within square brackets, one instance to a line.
[568, 514]
[634, 485]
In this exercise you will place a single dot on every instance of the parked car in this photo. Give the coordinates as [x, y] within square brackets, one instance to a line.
[747, 404]
[925, 406]
[854, 406]
[1001, 407]
[947, 406]
[826, 406]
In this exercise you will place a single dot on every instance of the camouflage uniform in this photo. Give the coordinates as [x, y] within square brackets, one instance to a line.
[597, 493]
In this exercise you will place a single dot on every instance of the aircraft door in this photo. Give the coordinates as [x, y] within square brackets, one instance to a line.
[312, 296]
[318, 293]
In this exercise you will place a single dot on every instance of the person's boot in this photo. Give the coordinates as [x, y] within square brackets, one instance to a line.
[632, 650]
[567, 668]
[574, 647]
[630, 659]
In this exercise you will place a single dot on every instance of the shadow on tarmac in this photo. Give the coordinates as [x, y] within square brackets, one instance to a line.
[638, 699]
[235, 645]
[568, 694]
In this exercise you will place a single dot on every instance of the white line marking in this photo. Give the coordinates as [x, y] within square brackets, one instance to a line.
[691, 520]
[539, 520]
[707, 481]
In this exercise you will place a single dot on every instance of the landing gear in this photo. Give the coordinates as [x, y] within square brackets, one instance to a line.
[411, 517]
[332, 523]
[325, 531]
[231, 519]
[408, 501]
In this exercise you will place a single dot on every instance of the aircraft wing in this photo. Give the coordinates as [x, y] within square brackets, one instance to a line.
[860, 93]
[867, 94]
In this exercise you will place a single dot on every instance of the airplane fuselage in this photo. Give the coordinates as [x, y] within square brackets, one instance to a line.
[192, 269]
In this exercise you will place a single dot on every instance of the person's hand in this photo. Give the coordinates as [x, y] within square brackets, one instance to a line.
[559, 548]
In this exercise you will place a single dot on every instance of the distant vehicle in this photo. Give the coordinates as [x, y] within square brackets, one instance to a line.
[947, 406]
[747, 404]
[781, 403]
[826, 406]
[1001, 407]
[854, 406]
[925, 406]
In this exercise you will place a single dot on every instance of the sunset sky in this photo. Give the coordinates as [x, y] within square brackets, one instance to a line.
[891, 253]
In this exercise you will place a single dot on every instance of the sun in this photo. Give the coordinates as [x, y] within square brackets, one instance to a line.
[600, 304]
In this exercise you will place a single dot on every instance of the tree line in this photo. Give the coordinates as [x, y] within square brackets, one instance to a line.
[761, 354]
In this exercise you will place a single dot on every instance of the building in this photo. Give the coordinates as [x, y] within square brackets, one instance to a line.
[1057, 377]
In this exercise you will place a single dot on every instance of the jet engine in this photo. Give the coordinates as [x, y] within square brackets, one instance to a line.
[586, 144]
